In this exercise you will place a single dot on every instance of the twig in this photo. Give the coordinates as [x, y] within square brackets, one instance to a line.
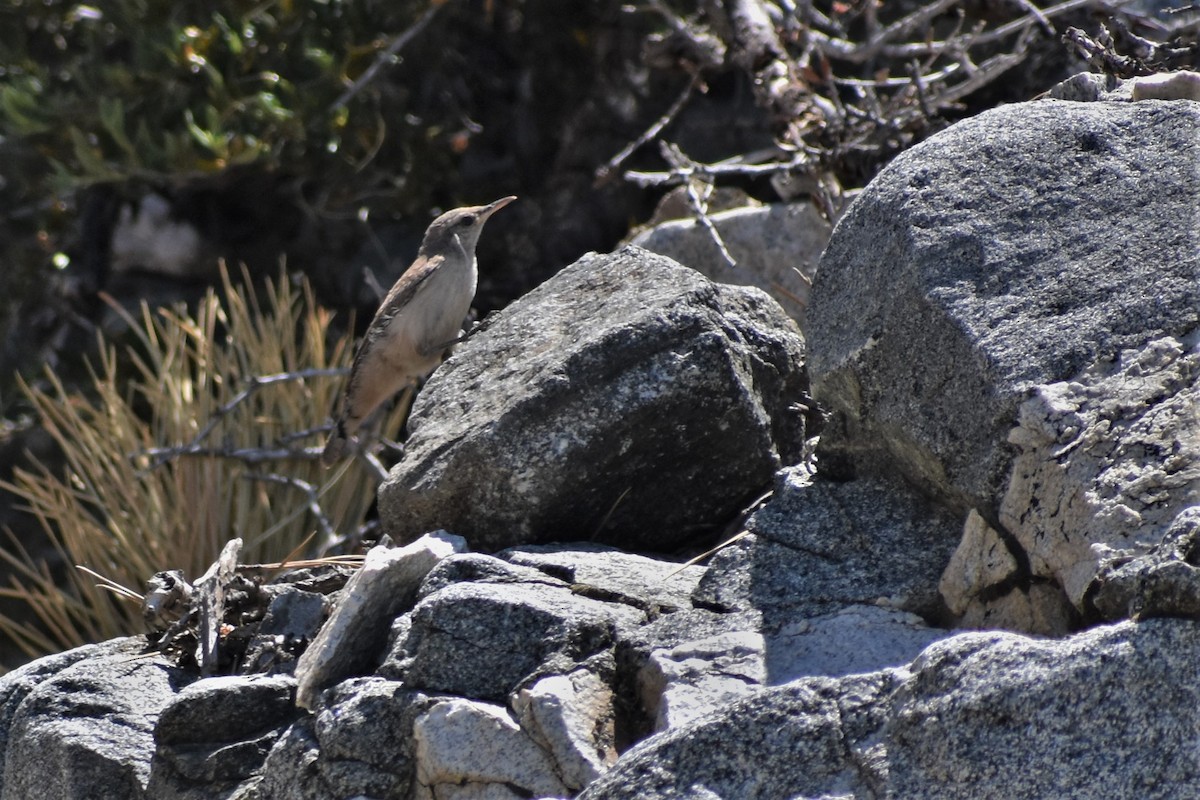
[385, 56]
[305, 563]
[248, 455]
[295, 436]
[311, 493]
[988, 71]
[919, 84]
[1048, 14]
[722, 170]
[678, 161]
[163, 454]
[111, 585]
[857, 53]
[700, 206]
[739, 521]
[1037, 14]
[711, 551]
[376, 466]
[608, 171]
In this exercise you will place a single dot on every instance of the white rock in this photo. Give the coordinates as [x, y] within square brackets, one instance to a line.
[775, 248]
[469, 742]
[358, 627]
[572, 717]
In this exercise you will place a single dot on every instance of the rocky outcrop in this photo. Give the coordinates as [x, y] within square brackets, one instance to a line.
[975, 717]
[627, 400]
[1008, 317]
[1006, 333]
[82, 724]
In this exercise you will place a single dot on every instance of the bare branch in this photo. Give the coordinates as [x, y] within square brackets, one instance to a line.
[799, 161]
[248, 455]
[606, 173]
[310, 492]
[858, 53]
[386, 56]
[161, 455]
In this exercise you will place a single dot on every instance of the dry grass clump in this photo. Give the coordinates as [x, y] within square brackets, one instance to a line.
[166, 464]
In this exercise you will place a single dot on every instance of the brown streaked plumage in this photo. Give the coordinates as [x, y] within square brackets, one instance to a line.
[417, 322]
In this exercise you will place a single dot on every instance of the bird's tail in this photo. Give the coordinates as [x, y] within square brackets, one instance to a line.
[335, 447]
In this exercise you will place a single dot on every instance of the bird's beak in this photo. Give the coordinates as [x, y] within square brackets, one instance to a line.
[492, 208]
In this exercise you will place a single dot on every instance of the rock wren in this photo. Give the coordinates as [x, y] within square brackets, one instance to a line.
[419, 320]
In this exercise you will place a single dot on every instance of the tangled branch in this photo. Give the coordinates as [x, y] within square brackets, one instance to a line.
[842, 83]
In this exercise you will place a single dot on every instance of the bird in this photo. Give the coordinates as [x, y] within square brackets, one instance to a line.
[419, 320]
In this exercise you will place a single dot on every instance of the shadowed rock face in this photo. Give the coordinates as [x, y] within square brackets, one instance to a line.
[628, 400]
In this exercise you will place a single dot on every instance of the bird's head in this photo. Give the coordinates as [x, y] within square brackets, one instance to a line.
[459, 228]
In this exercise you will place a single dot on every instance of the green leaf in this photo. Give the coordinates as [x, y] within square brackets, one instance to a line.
[112, 119]
[204, 138]
[22, 108]
[91, 161]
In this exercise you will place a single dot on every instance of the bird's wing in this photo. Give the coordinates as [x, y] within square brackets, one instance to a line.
[405, 289]
[399, 296]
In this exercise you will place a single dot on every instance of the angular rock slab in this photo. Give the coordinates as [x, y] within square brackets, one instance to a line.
[628, 400]
[1011, 251]
[352, 639]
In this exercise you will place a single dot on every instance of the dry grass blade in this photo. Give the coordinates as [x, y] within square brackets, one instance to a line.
[121, 513]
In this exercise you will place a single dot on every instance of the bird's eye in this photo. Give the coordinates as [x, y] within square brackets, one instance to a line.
[467, 221]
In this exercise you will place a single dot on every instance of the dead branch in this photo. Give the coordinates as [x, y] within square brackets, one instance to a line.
[607, 172]
[861, 52]
[385, 57]
[678, 161]
[902, 76]
[247, 455]
[1101, 55]
[210, 589]
[160, 455]
[987, 72]
[311, 493]
[676, 176]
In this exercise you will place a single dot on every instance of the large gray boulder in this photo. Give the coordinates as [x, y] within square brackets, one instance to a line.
[1105, 713]
[1015, 249]
[628, 400]
[85, 726]
[1008, 317]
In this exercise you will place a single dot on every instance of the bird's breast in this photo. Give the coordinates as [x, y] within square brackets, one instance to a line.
[415, 335]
